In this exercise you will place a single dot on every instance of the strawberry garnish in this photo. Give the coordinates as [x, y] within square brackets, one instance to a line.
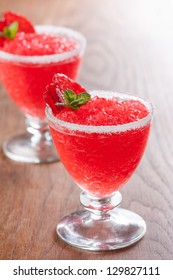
[2, 24]
[8, 32]
[2, 39]
[11, 24]
[24, 24]
[64, 92]
[63, 83]
[50, 96]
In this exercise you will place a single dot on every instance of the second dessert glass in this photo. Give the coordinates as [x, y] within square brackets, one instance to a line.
[25, 79]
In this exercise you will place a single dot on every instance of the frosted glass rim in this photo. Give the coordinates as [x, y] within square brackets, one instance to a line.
[104, 129]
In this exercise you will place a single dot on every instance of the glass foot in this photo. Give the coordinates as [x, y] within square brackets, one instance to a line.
[121, 229]
[30, 149]
[102, 226]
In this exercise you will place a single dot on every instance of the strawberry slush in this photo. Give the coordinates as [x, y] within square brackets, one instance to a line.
[26, 81]
[102, 142]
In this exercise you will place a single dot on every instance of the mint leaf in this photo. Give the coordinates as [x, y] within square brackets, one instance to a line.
[10, 31]
[81, 99]
[69, 96]
[74, 101]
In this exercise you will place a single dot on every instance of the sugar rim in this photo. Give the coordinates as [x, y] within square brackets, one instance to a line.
[105, 129]
[44, 59]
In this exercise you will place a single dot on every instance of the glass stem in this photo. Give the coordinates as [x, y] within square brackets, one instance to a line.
[99, 207]
[39, 130]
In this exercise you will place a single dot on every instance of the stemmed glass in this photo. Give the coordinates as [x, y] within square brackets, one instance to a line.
[101, 159]
[25, 79]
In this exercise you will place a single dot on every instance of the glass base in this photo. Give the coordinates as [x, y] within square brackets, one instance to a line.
[119, 229]
[23, 148]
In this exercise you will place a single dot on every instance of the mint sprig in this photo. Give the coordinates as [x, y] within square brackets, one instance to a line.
[74, 101]
[10, 31]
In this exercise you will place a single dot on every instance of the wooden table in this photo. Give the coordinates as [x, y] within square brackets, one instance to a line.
[130, 49]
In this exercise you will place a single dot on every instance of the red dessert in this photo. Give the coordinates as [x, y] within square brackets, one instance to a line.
[101, 111]
[39, 44]
[26, 79]
[100, 161]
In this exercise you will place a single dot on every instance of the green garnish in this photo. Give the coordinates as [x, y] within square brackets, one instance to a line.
[74, 101]
[10, 31]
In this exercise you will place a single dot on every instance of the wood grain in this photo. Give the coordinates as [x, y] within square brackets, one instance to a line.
[129, 50]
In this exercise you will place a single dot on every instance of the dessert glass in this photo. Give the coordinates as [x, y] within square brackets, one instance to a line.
[25, 79]
[101, 159]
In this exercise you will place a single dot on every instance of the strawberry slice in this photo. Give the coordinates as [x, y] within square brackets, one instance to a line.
[63, 83]
[2, 41]
[24, 24]
[51, 98]
[2, 25]
[55, 91]
[13, 23]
